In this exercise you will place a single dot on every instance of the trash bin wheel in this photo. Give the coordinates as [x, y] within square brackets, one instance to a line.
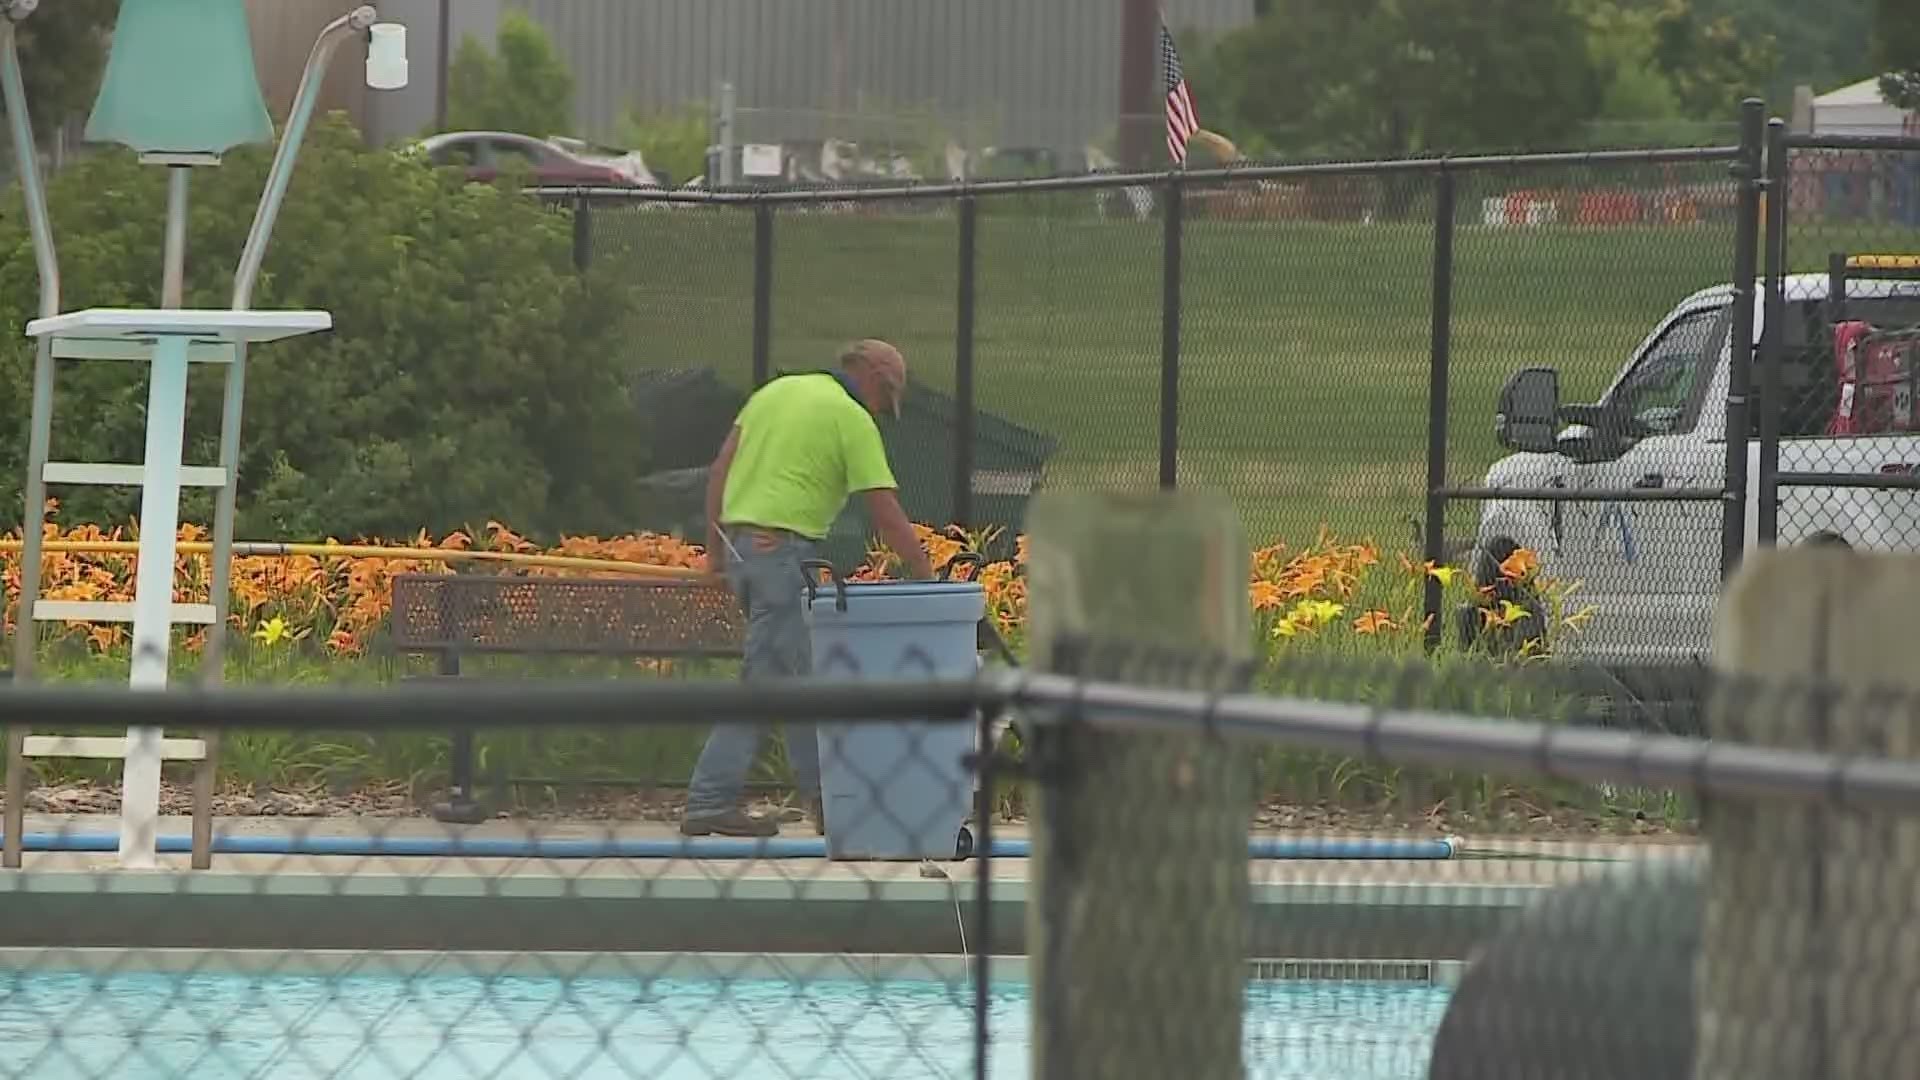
[963, 845]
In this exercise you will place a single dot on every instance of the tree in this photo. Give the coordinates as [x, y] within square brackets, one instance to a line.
[1665, 66]
[672, 140]
[1621, 40]
[524, 86]
[1393, 77]
[1712, 63]
[472, 373]
[63, 52]
[1896, 49]
[1821, 43]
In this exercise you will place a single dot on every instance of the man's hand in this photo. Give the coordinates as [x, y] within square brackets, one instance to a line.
[883, 506]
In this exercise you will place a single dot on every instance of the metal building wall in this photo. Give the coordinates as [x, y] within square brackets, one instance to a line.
[1024, 72]
[283, 33]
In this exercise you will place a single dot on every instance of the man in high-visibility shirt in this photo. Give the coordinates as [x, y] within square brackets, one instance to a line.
[801, 446]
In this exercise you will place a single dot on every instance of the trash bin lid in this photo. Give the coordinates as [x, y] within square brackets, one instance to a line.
[904, 601]
[913, 588]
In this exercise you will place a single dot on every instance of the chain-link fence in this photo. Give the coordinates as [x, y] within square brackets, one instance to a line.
[1411, 887]
[1328, 343]
[1290, 309]
[1532, 373]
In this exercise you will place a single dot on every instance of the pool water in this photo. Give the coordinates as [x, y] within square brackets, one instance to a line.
[212, 1026]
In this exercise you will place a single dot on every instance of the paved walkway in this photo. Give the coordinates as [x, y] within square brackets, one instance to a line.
[1488, 861]
[1350, 909]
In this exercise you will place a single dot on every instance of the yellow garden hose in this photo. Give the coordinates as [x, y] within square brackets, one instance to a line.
[270, 549]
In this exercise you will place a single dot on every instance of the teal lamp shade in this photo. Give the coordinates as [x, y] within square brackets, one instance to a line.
[180, 80]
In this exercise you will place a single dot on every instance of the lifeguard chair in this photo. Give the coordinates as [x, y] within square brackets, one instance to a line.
[180, 90]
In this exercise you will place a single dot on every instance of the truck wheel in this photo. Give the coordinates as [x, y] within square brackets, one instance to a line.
[1483, 566]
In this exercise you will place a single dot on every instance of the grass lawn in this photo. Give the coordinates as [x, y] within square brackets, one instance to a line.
[1304, 345]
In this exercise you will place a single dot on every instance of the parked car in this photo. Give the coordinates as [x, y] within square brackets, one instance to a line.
[486, 154]
[1649, 571]
[630, 162]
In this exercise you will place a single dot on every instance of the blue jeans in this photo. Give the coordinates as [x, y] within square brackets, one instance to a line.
[771, 586]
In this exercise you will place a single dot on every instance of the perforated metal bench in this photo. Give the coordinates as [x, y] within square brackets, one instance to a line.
[450, 616]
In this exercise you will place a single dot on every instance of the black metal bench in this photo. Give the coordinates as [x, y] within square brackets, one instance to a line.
[454, 615]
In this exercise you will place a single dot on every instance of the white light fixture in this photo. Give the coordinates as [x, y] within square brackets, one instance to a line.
[387, 56]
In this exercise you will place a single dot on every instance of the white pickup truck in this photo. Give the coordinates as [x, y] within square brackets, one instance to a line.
[1649, 572]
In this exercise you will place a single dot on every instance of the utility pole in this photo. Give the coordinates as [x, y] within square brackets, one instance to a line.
[444, 63]
[1139, 68]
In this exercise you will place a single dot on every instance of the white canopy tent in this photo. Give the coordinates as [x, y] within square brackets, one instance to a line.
[1861, 110]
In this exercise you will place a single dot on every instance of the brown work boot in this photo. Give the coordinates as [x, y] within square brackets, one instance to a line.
[728, 823]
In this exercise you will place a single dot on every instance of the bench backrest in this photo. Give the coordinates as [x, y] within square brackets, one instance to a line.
[595, 616]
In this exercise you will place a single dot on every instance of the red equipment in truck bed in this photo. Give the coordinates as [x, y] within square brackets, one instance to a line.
[1877, 371]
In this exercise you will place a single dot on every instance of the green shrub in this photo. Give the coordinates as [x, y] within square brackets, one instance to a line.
[671, 140]
[472, 373]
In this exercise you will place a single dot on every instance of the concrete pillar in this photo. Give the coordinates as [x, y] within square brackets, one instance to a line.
[1803, 117]
[1138, 925]
[1811, 949]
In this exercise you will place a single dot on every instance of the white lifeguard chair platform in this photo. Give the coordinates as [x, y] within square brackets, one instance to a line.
[169, 341]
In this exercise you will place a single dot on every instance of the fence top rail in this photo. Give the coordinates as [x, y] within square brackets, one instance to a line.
[1854, 142]
[1401, 735]
[881, 192]
[1431, 738]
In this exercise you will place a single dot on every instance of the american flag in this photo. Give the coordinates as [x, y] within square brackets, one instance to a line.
[1182, 119]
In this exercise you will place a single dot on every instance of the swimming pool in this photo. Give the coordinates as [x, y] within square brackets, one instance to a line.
[212, 1025]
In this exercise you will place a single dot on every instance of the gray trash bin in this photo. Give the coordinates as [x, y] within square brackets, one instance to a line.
[900, 789]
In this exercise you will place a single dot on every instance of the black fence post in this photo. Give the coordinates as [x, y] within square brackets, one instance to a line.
[1170, 333]
[1771, 390]
[1434, 535]
[962, 509]
[985, 806]
[582, 233]
[762, 293]
[1746, 268]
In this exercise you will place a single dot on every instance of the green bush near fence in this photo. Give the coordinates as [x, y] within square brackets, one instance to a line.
[471, 370]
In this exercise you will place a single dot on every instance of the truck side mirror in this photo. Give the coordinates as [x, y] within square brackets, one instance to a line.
[1529, 416]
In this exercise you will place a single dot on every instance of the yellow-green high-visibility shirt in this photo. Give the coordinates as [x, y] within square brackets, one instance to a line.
[806, 445]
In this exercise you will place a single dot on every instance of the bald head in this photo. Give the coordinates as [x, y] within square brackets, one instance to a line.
[879, 372]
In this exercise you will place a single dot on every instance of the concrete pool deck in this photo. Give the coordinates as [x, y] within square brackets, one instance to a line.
[1303, 909]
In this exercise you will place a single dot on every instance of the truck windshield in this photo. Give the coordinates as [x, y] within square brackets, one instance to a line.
[1810, 383]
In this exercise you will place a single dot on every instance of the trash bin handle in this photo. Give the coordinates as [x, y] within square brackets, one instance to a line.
[810, 568]
[968, 558]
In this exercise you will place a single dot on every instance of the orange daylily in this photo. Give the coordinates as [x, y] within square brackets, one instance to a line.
[1264, 595]
[1374, 622]
[341, 602]
[1519, 565]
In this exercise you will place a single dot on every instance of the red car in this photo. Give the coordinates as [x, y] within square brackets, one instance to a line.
[486, 154]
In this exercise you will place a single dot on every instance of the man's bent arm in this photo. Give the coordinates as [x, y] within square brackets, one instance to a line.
[883, 506]
[716, 489]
